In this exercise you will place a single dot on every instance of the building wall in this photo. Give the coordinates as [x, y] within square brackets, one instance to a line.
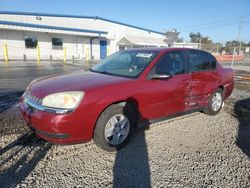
[77, 43]
[76, 46]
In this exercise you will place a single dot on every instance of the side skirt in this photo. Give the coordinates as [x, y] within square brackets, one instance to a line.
[145, 124]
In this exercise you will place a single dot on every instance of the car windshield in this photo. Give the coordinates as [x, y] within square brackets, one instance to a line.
[128, 63]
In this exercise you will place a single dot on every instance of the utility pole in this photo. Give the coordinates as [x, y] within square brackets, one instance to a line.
[232, 63]
[239, 31]
[200, 43]
[239, 39]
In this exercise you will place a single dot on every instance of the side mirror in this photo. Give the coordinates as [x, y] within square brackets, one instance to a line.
[161, 76]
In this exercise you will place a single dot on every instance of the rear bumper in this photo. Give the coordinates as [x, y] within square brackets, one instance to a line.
[228, 89]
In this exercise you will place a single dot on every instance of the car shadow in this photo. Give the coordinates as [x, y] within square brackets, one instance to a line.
[131, 168]
[9, 99]
[242, 113]
[20, 157]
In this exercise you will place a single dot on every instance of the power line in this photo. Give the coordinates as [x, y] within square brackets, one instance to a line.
[214, 22]
[231, 21]
[212, 27]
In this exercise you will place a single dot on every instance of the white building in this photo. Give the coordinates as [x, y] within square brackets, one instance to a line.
[186, 45]
[53, 36]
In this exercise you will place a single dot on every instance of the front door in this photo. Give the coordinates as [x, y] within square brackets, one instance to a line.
[103, 49]
[167, 96]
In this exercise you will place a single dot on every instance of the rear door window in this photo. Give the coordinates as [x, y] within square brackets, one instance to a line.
[198, 61]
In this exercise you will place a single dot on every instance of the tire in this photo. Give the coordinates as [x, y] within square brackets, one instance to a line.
[114, 127]
[213, 108]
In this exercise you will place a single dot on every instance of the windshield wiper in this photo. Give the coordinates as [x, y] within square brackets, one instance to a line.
[102, 72]
[92, 70]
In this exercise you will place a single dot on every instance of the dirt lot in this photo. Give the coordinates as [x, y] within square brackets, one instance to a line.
[195, 150]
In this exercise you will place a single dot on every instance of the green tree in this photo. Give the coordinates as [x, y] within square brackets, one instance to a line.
[195, 37]
[179, 40]
[172, 36]
[205, 42]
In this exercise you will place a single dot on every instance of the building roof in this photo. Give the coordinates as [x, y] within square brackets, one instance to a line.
[141, 41]
[77, 16]
[51, 27]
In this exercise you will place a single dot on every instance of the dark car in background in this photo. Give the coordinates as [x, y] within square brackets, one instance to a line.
[128, 88]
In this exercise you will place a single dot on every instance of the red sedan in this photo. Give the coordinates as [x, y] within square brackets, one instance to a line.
[128, 88]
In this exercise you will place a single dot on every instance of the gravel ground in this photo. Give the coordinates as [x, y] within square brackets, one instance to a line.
[195, 150]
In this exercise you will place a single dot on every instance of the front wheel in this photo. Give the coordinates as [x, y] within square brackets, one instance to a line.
[114, 128]
[215, 103]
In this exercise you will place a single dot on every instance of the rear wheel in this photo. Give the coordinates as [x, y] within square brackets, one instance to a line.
[114, 127]
[215, 103]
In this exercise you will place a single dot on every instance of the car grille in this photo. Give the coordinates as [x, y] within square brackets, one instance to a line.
[33, 98]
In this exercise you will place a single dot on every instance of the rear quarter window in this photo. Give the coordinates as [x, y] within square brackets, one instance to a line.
[213, 61]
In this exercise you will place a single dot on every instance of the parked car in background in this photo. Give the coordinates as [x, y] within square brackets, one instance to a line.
[128, 88]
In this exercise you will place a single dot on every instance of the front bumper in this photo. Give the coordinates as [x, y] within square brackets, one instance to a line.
[56, 128]
[50, 135]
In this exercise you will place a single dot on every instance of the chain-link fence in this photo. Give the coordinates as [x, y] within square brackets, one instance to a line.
[230, 52]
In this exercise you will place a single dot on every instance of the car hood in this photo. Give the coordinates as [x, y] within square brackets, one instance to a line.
[75, 81]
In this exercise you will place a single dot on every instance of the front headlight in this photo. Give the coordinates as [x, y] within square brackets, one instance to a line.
[63, 100]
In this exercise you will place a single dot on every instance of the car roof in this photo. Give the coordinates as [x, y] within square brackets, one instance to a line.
[160, 49]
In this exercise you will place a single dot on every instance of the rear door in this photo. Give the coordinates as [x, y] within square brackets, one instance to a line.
[203, 78]
[167, 96]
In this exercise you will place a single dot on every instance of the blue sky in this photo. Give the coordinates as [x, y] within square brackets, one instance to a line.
[218, 19]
